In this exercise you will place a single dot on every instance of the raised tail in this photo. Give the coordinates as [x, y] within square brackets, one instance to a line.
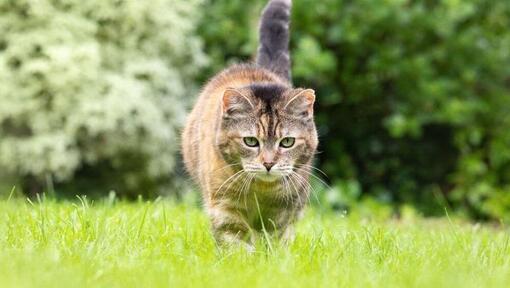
[273, 52]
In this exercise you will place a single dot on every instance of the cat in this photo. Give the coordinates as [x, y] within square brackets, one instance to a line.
[250, 139]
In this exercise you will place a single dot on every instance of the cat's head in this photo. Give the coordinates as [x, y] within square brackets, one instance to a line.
[268, 129]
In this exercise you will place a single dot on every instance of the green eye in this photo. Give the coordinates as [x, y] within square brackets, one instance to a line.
[287, 142]
[251, 141]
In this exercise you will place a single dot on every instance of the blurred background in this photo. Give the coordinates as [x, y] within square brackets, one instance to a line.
[413, 102]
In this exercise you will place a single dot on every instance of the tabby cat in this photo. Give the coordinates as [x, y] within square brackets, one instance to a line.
[250, 140]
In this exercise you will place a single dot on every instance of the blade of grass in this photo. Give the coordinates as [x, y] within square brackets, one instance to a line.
[139, 232]
[11, 193]
[264, 231]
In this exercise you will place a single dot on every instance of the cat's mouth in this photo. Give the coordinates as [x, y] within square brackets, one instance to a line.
[275, 174]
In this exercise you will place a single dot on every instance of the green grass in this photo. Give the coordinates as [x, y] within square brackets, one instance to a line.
[163, 244]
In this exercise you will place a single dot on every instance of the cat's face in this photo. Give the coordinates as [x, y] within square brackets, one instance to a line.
[268, 129]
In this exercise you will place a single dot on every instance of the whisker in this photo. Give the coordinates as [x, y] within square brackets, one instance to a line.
[296, 189]
[242, 188]
[314, 168]
[306, 185]
[302, 185]
[314, 176]
[247, 190]
[238, 190]
[228, 179]
[245, 193]
[234, 181]
[287, 191]
[226, 166]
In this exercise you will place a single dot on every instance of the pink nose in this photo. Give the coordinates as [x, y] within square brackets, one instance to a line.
[268, 165]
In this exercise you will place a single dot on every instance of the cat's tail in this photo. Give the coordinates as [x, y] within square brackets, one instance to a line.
[273, 51]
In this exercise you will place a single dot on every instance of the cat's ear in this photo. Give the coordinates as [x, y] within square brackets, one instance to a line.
[301, 103]
[235, 103]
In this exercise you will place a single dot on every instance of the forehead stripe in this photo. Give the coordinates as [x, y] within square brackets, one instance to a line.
[262, 129]
[270, 125]
[276, 126]
[269, 94]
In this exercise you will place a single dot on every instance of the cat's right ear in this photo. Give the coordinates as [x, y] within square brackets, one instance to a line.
[235, 103]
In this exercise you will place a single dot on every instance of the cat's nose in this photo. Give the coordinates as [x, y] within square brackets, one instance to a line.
[268, 165]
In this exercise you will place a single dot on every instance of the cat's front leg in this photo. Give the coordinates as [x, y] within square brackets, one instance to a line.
[230, 229]
[288, 234]
[285, 222]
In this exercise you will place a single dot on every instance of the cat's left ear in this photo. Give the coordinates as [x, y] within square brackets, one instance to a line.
[301, 103]
[235, 103]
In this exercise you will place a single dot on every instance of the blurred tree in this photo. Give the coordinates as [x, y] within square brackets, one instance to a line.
[93, 92]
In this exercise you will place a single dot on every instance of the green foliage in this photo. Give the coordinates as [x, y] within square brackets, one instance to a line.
[413, 97]
[95, 91]
[229, 31]
[111, 244]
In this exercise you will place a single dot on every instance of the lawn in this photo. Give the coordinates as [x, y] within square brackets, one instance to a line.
[163, 244]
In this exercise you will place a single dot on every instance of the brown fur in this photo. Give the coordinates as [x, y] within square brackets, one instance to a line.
[214, 152]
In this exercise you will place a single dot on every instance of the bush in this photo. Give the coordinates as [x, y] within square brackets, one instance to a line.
[413, 95]
[93, 92]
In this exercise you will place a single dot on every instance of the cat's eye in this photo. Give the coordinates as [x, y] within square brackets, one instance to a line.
[287, 142]
[251, 141]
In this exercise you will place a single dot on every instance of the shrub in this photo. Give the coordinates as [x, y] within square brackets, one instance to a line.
[95, 90]
[413, 96]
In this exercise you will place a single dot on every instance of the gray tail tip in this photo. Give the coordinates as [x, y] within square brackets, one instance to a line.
[286, 2]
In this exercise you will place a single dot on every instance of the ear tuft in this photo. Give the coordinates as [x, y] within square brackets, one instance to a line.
[301, 103]
[234, 102]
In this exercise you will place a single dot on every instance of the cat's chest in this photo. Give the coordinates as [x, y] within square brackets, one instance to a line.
[265, 210]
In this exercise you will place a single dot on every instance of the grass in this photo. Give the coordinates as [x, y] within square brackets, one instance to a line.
[163, 244]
